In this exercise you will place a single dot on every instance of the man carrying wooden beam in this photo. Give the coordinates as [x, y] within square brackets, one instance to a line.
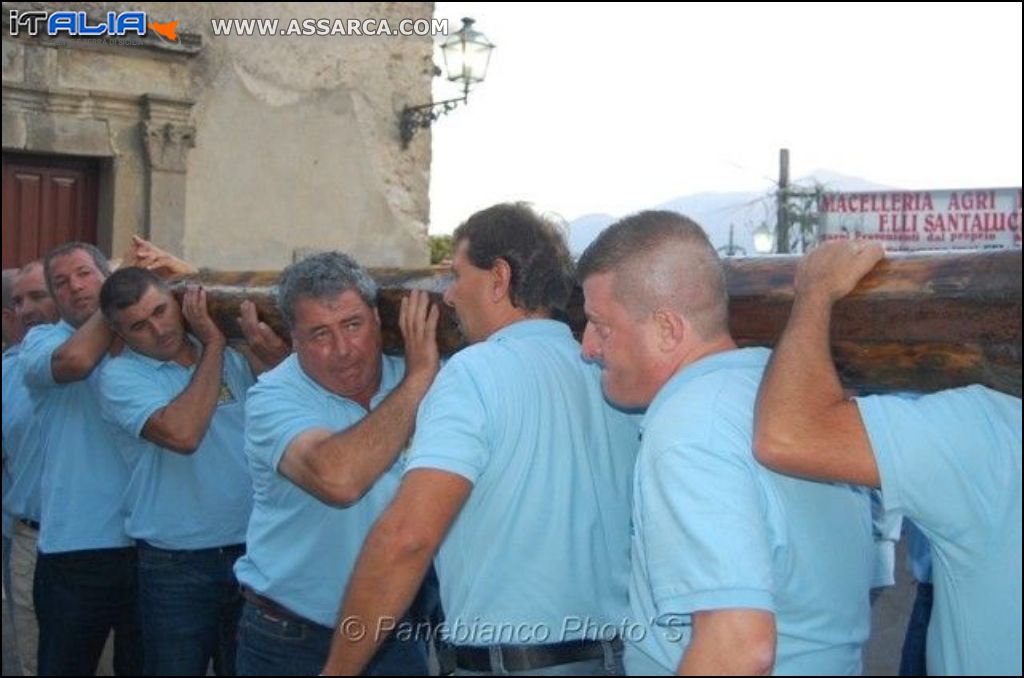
[950, 461]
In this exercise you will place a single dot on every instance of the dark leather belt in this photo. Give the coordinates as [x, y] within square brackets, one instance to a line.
[529, 657]
[230, 549]
[270, 607]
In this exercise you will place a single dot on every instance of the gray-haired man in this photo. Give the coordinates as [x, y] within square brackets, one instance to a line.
[323, 432]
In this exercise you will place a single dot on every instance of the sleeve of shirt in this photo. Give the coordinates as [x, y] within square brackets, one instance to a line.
[941, 457]
[705, 538]
[128, 394]
[37, 355]
[275, 414]
[451, 426]
[885, 532]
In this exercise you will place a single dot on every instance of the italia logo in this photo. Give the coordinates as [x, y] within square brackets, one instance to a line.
[72, 23]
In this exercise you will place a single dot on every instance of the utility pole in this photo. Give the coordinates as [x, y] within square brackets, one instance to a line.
[782, 204]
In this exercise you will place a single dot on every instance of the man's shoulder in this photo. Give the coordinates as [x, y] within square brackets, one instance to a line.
[282, 373]
[128, 357]
[708, 395]
[10, 356]
[472, 361]
[489, 368]
[287, 378]
[13, 368]
[512, 355]
[715, 410]
[943, 415]
[44, 335]
[36, 355]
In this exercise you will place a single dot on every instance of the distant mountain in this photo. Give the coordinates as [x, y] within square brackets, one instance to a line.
[840, 182]
[743, 210]
[584, 229]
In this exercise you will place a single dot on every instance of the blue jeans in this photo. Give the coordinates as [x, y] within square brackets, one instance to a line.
[288, 645]
[9, 590]
[912, 662]
[190, 607]
[80, 596]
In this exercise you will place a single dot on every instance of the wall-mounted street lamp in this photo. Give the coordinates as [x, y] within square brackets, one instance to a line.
[467, 53]
[764, 240]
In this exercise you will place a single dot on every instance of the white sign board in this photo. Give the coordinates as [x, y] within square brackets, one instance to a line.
[923, 220]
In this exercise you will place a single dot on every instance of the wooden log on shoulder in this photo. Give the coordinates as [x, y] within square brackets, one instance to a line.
[226, 290]
[918, 322]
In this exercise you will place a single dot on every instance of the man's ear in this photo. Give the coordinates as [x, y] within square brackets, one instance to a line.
[501, 280]
[671, 329]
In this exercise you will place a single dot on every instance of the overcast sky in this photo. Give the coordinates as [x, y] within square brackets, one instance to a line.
[608, 108]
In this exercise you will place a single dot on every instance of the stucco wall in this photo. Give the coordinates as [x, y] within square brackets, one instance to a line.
[242, 151]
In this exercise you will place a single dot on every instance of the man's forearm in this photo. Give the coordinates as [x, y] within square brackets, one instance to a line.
[356, 457]
[730, 642]
[801, 379]
[734, 661]
[76, 358]
[383, 586]
[182, 424]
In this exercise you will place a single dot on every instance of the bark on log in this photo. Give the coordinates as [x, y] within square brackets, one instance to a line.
[919, 322]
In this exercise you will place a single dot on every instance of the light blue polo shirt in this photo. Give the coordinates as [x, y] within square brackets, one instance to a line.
[84, 476]
[177, 501]
[300, 551]
[23, 449]
[951, 462]
[540, 551]
[715, 530]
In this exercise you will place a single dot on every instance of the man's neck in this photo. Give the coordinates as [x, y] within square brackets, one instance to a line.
[188, 355]
[513, 315]
[705, 349]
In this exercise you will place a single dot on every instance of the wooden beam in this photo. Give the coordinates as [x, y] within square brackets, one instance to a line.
[918, 322]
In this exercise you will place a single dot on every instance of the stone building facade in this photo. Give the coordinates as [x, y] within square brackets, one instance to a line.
[234, 151]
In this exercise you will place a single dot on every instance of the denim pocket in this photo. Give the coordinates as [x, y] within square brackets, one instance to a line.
[259, 621]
